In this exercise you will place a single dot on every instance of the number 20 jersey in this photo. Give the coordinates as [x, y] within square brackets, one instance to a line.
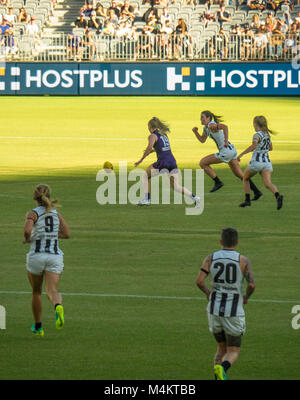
[44, 235]
[226, 297]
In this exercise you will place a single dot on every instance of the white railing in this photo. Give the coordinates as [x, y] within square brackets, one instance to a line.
[61, 47]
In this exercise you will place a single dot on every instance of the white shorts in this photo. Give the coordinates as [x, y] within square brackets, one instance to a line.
[234, 326]
[226, 155]
[257, 166]
[39, 262]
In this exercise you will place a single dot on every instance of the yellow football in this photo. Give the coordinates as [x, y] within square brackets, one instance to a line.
[108, 165]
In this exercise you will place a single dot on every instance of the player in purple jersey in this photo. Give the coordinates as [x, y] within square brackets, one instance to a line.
[158, 141]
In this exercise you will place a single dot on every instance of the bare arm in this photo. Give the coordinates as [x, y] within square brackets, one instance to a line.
[224, 128]
[202, 138]
[31, 219]
[151, 141]
[204, 271]
[63, 232]
[248, 274]
[248, 150]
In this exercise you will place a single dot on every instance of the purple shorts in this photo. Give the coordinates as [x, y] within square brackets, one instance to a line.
[170, 166]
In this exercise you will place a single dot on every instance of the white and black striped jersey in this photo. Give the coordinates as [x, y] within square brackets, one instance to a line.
[261, 152]
[44, 235]
[226, 297]
[218, 137]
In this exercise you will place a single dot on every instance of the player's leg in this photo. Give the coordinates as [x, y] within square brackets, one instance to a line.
[51, 285]
[150, 172]
[205, 163]
[232, 352]
[218, 359]
[247, 175]
[266, 177]
[174, 182]
[237, 171]
[36, 282]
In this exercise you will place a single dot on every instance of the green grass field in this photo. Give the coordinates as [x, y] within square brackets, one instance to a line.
[132, 308]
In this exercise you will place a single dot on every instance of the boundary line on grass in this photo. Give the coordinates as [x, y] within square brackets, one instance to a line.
[140, 296]
[121, 139]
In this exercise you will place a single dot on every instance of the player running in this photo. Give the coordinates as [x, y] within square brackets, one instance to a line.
[43, 226]
[217, 131]
[158, 141]
[226, 316]
[260, 161]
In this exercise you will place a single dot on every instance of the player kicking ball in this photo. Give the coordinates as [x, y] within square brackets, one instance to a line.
[226, 316]
[158, 141]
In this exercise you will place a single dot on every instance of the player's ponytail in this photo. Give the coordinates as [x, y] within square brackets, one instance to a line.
[262, 123]
[212, 116]
[156, 123]
[42, 195]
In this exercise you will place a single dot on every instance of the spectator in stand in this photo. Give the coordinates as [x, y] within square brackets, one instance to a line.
[124, 28]
[100, 12]
[182, 42]
[256, 4]
[109, 29]
[297, 20]
[294, 28]
[165, 39]
[112, 18]
[81, 23]
[207, 18]
[270, 25]
[5, 27]
[95, 23]
[290, 45]
[128, 10]
[165, 16]
[219, 45]
[74, 49]
[255, 25]
[222, 15]
[23, 16]
[90, 3]
[246, 43]
[11, 18]
[166, 27]
[287, 19]
[115, 8]
[86, 9]
[32, 28]
[150, 12]
[277, 39]
[260, 43]
[273, 4]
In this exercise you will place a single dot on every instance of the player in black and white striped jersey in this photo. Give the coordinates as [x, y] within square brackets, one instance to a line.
[43, 227]
[260, 161]
[226, 316]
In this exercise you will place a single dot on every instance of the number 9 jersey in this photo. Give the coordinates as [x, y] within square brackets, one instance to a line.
[226, 298]
[44, 235]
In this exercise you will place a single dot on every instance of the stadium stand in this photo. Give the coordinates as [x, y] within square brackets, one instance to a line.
[61, 30]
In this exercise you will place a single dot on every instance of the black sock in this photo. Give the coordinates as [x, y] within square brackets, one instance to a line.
[276, 195]
[247, 197]
[56, 305]
[217, 180]
[253, 187]
[226, 365]
[38, 325]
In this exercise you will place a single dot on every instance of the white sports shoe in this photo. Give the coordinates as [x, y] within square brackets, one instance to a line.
[197, 201]
[144, 203]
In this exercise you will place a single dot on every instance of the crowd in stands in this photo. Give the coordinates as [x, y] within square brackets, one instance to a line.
[271, 26]
[267, 28]
[22, 20]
